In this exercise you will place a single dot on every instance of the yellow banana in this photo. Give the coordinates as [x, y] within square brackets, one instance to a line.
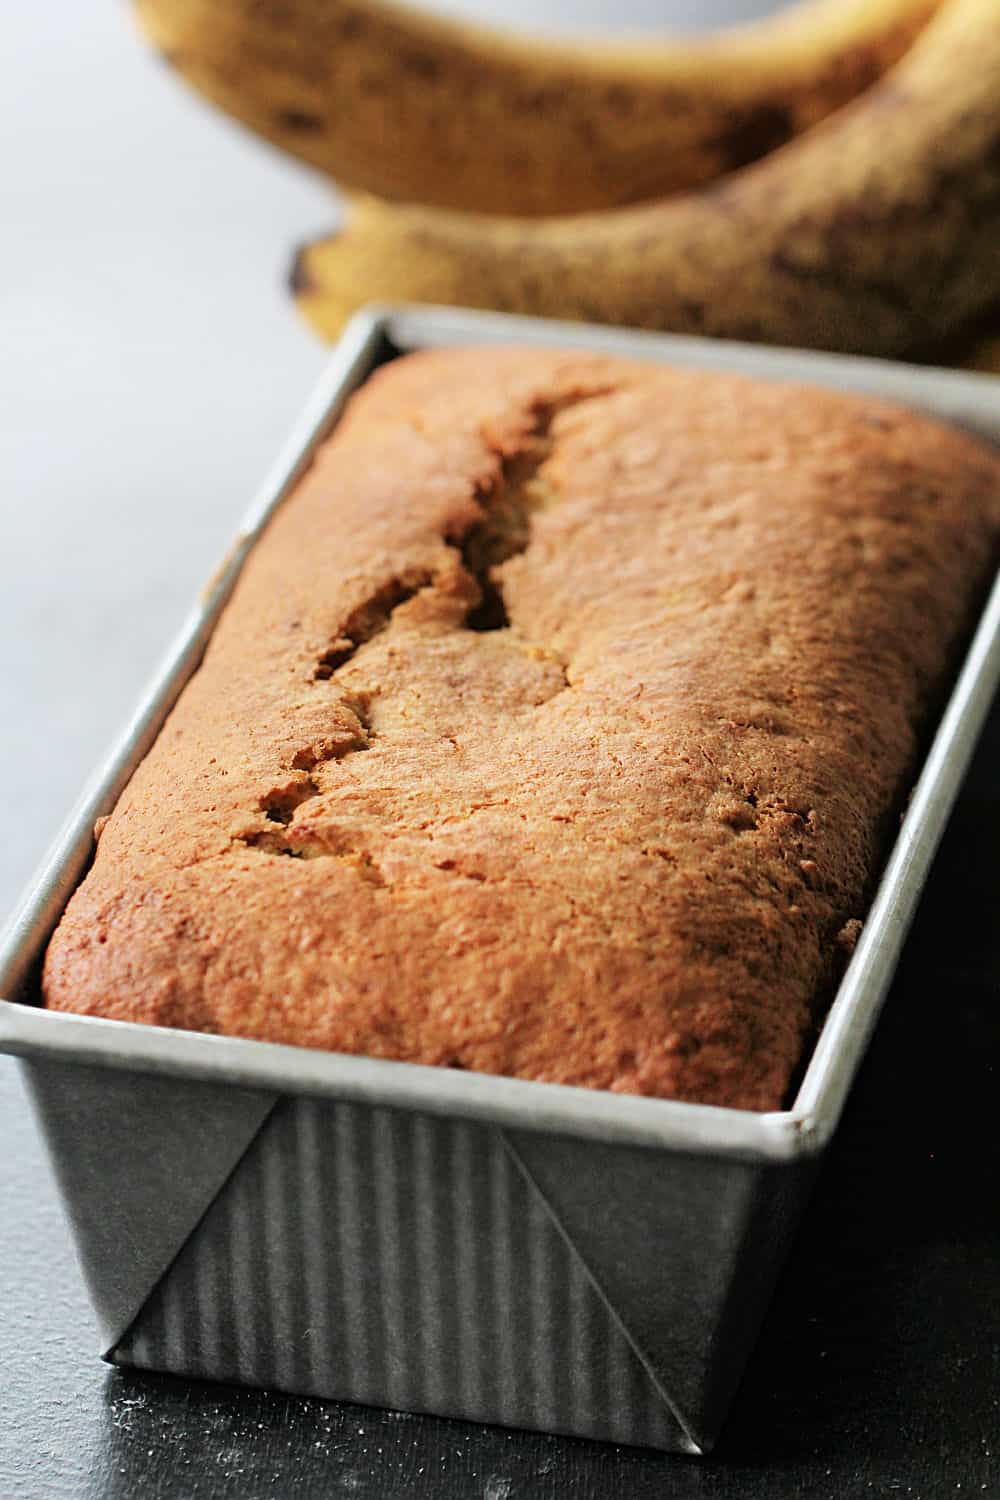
[391, 101]
[876, 232]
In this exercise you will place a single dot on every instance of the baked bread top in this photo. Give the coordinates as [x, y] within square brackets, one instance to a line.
[556, 728]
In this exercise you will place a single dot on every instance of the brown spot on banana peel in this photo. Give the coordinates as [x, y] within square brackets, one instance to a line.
[875, 233]
[976, 347]
[399, 96]
[300, 281]
[753, 133]
[299, 120]
[421, 65]
[983, 356]
[353, 27]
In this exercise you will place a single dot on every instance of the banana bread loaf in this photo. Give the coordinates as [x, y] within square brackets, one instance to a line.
[556, 728]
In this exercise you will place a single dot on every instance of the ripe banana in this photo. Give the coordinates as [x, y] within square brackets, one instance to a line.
[877, 232]
[390, 101]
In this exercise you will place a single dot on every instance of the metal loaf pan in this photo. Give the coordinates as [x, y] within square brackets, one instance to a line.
[427, 1239]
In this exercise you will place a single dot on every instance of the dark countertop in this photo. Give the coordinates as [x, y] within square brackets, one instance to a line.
[150, 366]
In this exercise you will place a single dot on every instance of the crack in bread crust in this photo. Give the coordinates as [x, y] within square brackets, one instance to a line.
[506, 503]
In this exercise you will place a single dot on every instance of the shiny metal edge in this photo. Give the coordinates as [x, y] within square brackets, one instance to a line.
[851, 1019]
[26, 1031]
[968, 399]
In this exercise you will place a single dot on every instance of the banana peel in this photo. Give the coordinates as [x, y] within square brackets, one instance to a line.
[877, 232]
[391, 101]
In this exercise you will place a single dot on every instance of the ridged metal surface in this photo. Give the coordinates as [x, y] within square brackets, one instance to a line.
[138, 1160]
[397, 1260]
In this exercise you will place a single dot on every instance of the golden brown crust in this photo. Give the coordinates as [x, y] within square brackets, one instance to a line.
[613, 835]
